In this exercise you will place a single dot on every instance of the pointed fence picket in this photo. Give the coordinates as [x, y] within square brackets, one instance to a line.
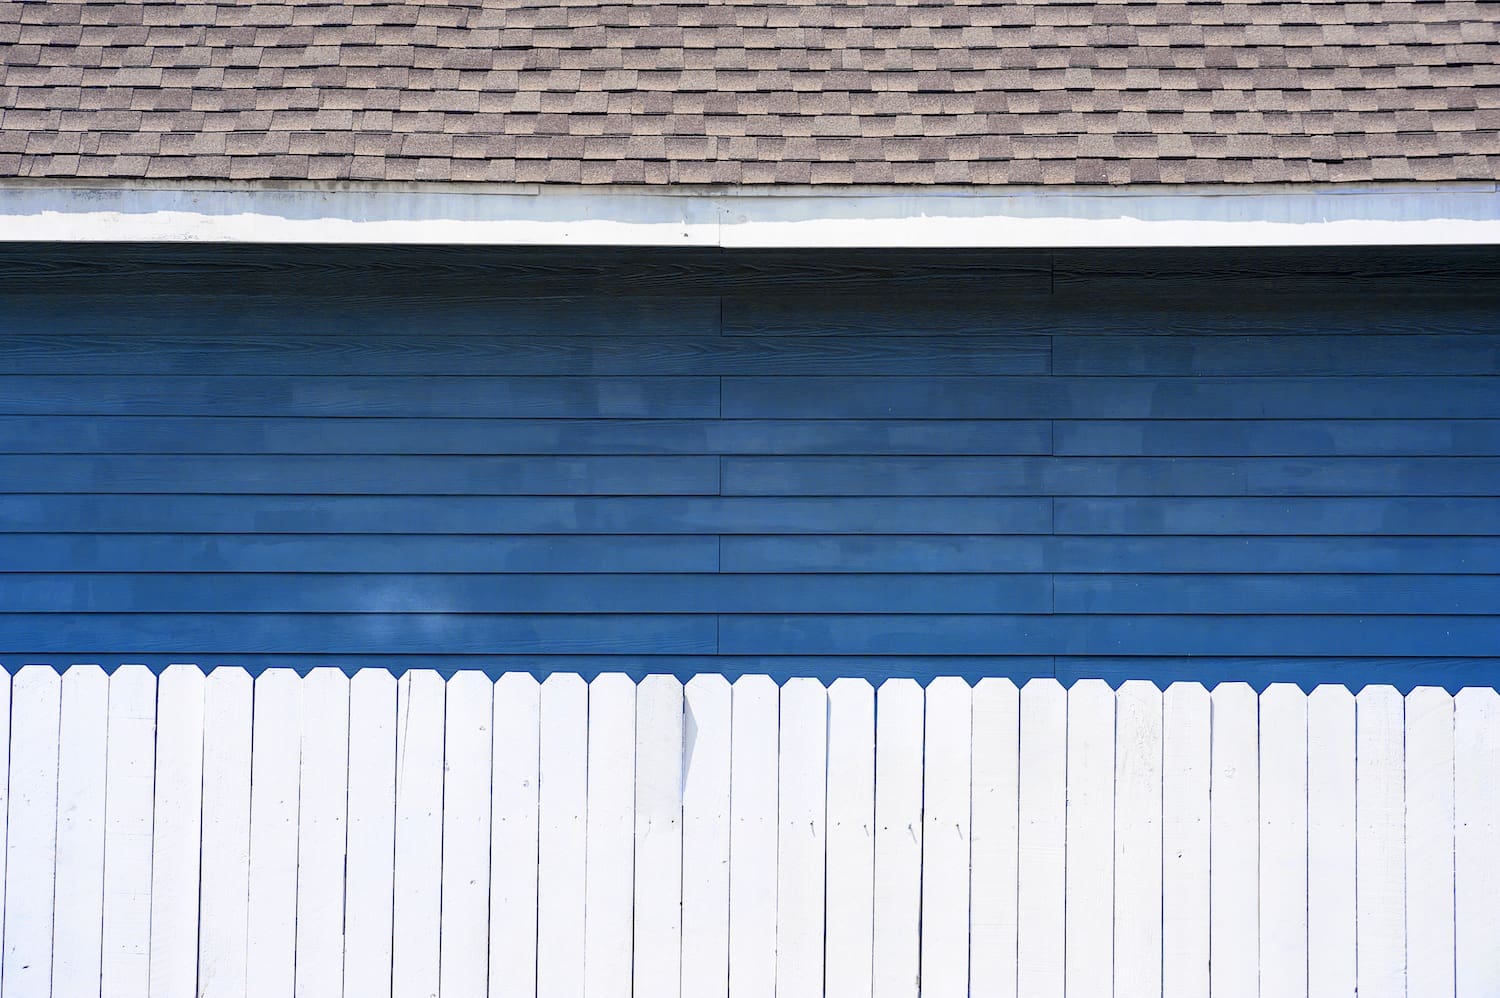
[295, 835]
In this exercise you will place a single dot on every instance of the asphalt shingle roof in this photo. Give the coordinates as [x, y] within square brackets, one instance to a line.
[727, 92]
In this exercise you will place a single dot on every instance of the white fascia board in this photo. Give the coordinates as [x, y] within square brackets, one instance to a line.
[755, 217]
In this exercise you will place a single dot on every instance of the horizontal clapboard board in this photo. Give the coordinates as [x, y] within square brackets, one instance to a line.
[1238, 464]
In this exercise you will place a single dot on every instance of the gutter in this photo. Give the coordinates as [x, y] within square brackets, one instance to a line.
[780, 217]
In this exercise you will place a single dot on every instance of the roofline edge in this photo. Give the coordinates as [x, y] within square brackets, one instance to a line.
[918, 217]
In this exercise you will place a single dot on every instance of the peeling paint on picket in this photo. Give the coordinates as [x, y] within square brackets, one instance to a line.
[414, 836]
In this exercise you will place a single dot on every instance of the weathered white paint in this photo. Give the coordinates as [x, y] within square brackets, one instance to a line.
[1138, 841]
[1283, 843]
[321, 835]
[994, 769]
[1089, 904]
[898, 839]
[705, 836]
[1352, 839]
[610, 838]
[562, 810]
[31, 846]
[1042, 841]
[1330, 830]
[1186, 719]
[228, 698]
[276, 743]
[946, 796]
[129, 775]
[369, 897]
[658, 838]
[513, 837]
[178, 832]
[850, 872]
[417, 916]
[80, 831]
[802, 796]
[1221, 215]
[752, 838]
[467, 778]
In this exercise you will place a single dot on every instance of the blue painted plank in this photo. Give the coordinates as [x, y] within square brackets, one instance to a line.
[1111, 398]
[1252, 437]
[518, 593]
[312, 435]
[93, 553]
[1102, 476]
[306, 473]
[220, 309]
[1320, 516]
[1118, 555]
[896, 554]
[356, 634]
[323, 514]
[170, 395]
[1157, 356]
[433, 351]
[1278, 594]
[1072, 634]
[1253, 555]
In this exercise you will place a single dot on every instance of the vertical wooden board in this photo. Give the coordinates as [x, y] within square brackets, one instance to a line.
[129, 775]
[1283, 842]
[1429, 842]
[802, 802]
[1090, 832]
[416, 923]
[1185, 836]
[752, 839]
[1138, 841]
[1041, 845]
[705, 837]
[228, 696]
[995, 812]
[79, 887]
[561, 816]
[610, 844]
[371, 832]
[1330, 842]
[178, 832]
[898, 838]
[658, 837]
[513, 837]
[467, 751]
[275, 758]
[322, 813]
[31, 846]
[1476, 802]
[1380, 851]
[948, 728]
[850, 867]
[1234, 878]
[5, 682]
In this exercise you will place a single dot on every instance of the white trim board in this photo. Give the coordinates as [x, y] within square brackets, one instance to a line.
[745, 218]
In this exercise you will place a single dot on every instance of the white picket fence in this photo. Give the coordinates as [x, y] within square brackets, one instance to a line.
[381, 837]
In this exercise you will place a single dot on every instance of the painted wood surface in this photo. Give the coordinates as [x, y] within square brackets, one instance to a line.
[504, 836]
[1247, 465]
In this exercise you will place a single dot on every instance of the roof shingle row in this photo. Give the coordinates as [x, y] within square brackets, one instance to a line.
[753, 92]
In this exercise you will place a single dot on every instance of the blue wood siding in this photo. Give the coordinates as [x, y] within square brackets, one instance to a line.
[1231, 465]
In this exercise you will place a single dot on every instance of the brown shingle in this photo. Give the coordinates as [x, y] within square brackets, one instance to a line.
[753, 92]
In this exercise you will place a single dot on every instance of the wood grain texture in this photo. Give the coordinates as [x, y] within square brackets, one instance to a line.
[1193, 463]
[78, 913]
